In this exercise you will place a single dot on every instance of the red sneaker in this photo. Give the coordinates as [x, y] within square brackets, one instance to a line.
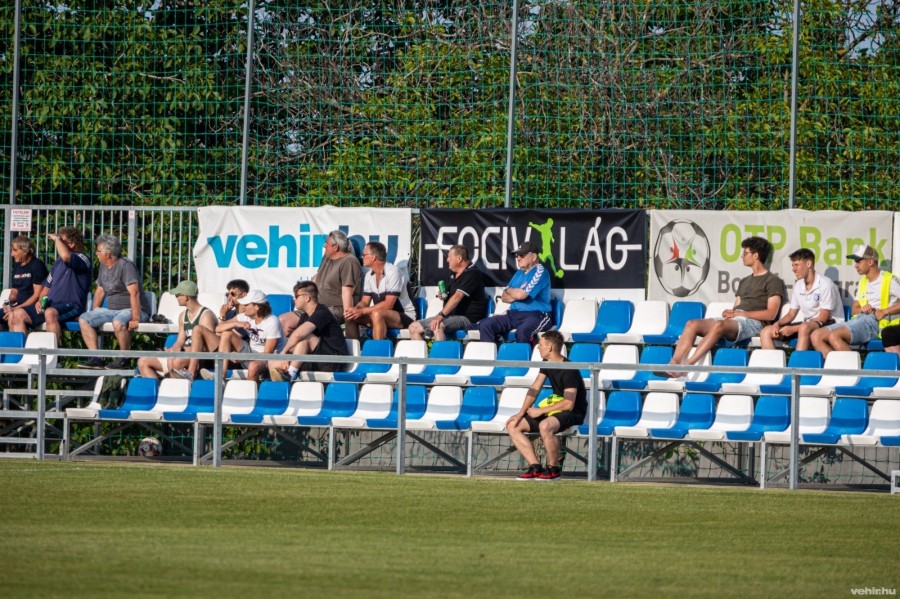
[550, 473]
[534, 471]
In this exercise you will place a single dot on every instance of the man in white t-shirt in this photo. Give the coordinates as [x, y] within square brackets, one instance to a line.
[264, 334]
[815, 298]
[384, 304]
[876, 306]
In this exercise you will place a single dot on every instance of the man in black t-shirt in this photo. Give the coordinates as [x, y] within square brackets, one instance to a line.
[318, 333]
[464, 303]
[567, 408]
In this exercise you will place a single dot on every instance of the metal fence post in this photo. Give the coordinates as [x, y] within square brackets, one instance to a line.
[511, 114]
[248, 81]
[217, 409]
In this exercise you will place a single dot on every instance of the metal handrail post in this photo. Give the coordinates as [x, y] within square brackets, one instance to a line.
[217, 413]
[795, 431]
[42, 404]
[511, 114]
[593, 408]
[401, 419]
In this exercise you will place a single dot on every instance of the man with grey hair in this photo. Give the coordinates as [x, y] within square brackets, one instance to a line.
[119, 283]
[338, 280]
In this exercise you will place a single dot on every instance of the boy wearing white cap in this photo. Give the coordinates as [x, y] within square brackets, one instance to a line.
[876, 306]
[265, 334]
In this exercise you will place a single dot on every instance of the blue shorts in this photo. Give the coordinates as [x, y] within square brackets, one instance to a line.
[67, 312]
[748, 328]
[863, 328]
[101, 316]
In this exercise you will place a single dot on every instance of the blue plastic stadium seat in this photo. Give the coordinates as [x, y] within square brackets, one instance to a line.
[848, 417]
[479, 404]
[623, 408]
[449, 349]
[772, 413]
[682, 311]
[697, 412]
[613, 316]
[804, 358]
[382, 348]
[725, 356]
[340, 401]
[506, 352]
[200, 400]
[271, 400]
[139, 395]
[281, 303]
[877, 360]
[416, 402]
[10, 339]
[586, 352]
[655, 355]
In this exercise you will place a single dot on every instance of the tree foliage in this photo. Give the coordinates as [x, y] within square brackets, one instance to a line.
[656, 104]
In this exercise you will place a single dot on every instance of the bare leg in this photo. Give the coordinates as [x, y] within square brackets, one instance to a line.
[549, 427]
[88, 333]
[517, 434]
[123, 335]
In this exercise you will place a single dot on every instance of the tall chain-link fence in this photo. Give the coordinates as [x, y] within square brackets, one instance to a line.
[678, 104]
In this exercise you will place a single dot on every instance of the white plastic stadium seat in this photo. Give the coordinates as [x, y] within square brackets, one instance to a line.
[35, 340]
[475, 350]
[511, 399]
[406, 348]
[734, 413]
[374, 403]
[759, 358]
[579, 316]
[326, 377]
[526, 379]
[836, 360]
[677, 384]
[444, 403]
[660, 410]
[168, 307]
[814, 415]
[172, 396]
[650, 318]
[92, 410]
[884, 421]
[617, 354]
[306, 399]
[239, 397]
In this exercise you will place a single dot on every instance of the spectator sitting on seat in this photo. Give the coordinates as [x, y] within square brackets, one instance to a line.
[876, 306]
[191, 337]
[815, 297]
[319, 334]
[66, 287]
[28, 275]
[119, 283]
[757, 303]
[528, 296]
[464, 303]
[265, 335]
[552, 418]
[890, 338]
[234, 291]
[338, 280]
[385, 303]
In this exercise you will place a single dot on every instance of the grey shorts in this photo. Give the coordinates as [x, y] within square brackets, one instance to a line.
[451, 325]
[863, 328]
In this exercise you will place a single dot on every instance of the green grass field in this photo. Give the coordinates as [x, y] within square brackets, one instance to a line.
[93, 529]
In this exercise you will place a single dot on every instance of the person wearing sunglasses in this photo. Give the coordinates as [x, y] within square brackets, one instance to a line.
[235, 290]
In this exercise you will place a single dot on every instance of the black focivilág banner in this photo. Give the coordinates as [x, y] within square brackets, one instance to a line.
[584, 249]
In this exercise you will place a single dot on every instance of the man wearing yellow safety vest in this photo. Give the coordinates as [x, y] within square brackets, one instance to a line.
[877, 305]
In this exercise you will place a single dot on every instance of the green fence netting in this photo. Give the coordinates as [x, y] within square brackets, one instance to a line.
[670, 103]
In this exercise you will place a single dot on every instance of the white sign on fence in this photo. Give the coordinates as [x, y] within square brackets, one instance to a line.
[696, 254]
[20, 220]
[273, 248]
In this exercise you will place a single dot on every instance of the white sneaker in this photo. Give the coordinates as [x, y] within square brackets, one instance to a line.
[182, 373]
[207, 375]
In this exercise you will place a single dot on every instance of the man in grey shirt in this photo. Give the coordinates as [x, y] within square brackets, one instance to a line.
[119, 283]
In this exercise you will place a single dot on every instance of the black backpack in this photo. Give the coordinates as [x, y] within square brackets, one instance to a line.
[112, 393]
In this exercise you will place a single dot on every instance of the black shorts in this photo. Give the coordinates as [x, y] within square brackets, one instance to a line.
[566, 420]
[323, 349]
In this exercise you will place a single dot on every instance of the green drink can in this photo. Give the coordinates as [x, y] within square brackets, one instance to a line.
[45, 301]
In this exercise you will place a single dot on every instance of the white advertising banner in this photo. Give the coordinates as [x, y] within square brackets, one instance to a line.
[273, 248]
[696, 254]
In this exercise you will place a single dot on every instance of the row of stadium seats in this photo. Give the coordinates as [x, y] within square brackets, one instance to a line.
[623, 414]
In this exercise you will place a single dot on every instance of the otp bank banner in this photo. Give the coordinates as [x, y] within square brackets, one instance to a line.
[696, 254]
[273, 248]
